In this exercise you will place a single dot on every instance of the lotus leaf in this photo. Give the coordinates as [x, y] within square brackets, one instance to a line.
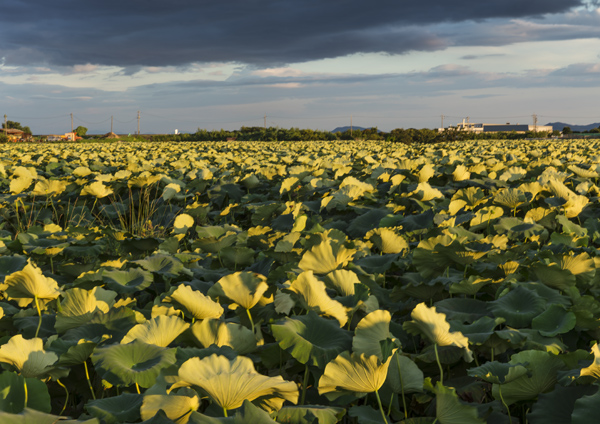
[229, 382]
[215, 332]
[310, 414]
[31, 416]
[29, 284]
[554, 320]
[593, 369]
[312, 295]
[195, 303]
[327, 255]
[388, 241]
[183, 222]
[543, 367]
[433, 325]
[133, 363]
[127, 281]
[79, 306]
[13, 397]
[518, 307]
[311, 339]
[343, 281]
[28, 357]
[354, 373]
[176, 407]
[243, 288]
[370, 332]
[159, 331]
[498, 372]
[586, 409]
[116, 409]
[96, 189]
[450, 410]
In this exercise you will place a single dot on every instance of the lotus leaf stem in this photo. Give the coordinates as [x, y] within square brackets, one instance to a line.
[37, 305]
[137, 387]
[401, 387]
[251, 321]
[437, 358]
[25, 390]
[225, 411]
[67, 396]
[504, 403]
[87, 376]
[380, 407]
[304, 384]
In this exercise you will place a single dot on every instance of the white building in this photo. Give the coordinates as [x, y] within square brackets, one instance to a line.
[508, 127]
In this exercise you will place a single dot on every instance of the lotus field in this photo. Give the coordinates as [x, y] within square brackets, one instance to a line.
[300, 283]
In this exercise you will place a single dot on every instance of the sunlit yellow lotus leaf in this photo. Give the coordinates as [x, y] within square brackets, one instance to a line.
[27, 356]
[25, 285]
[370, 330]
[355, 373]
[159, 331]
[328, 255]
[17, 185]
[195, 302]
[213, 331]
[244, 288]
[183, 222]
[82, 171]
[176, 407]
[96, 189]
[49, 187]
[230, 382]
[433, 326]
[311, 294]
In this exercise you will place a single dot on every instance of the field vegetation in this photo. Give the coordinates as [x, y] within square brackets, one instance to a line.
[300, 282]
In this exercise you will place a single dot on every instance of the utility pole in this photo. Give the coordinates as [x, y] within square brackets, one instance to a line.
[138, 119]
[535, 120]
[265, 123]
[71, 122]
[5, 125]
[111, 122]
[350, 125]
[442, 121]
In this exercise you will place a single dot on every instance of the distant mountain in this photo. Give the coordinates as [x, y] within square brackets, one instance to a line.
[580, 128]
[344, 129]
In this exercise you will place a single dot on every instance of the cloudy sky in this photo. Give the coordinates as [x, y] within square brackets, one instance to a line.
[188, 64]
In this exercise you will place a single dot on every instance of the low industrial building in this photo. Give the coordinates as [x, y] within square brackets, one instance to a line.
[492, 128]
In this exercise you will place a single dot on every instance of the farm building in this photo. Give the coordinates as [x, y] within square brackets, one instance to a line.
[16, 135]
[490, 128]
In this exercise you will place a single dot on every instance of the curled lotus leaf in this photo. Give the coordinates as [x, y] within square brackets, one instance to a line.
[195, 303]
[135, 362]
[28, 284]
[311, 339]
[312, 295]
[433, 326]
[49, 187]
[220, 333]
[354, 373]
[79, 306]
[229, 382]
[183, 222]
[127, 281]
[176, 407]
[159, 331]
[96, 189]
[498, 372]
[370, 331]
[28, 357]
[593, 369]
[387, 240]
[244, 288]
[343, 281]
[510, 197]
[328, 255]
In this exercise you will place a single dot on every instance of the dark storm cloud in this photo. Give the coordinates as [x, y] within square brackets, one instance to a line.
[133, 33]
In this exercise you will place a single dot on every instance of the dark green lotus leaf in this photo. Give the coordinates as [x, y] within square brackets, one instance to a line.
[198, 418]
[10, 264]
[451, 410]
[586, 409]
[554, 320]
[165, 265]
[411, 223]
[12, 393]
[128, 364]
[127, 281]
[518, 307]
[498, 372]
[543, 367]
[237, 256]
[71, 353]
[365, 222]
[403, 375]
[310, 414]
[365, 415]
[515, 228]
[31, 416]
[214, 245]
[312, 339]
[116, 409]
[557, 406]
[479, 331]
[377, 264]
[463, 309]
